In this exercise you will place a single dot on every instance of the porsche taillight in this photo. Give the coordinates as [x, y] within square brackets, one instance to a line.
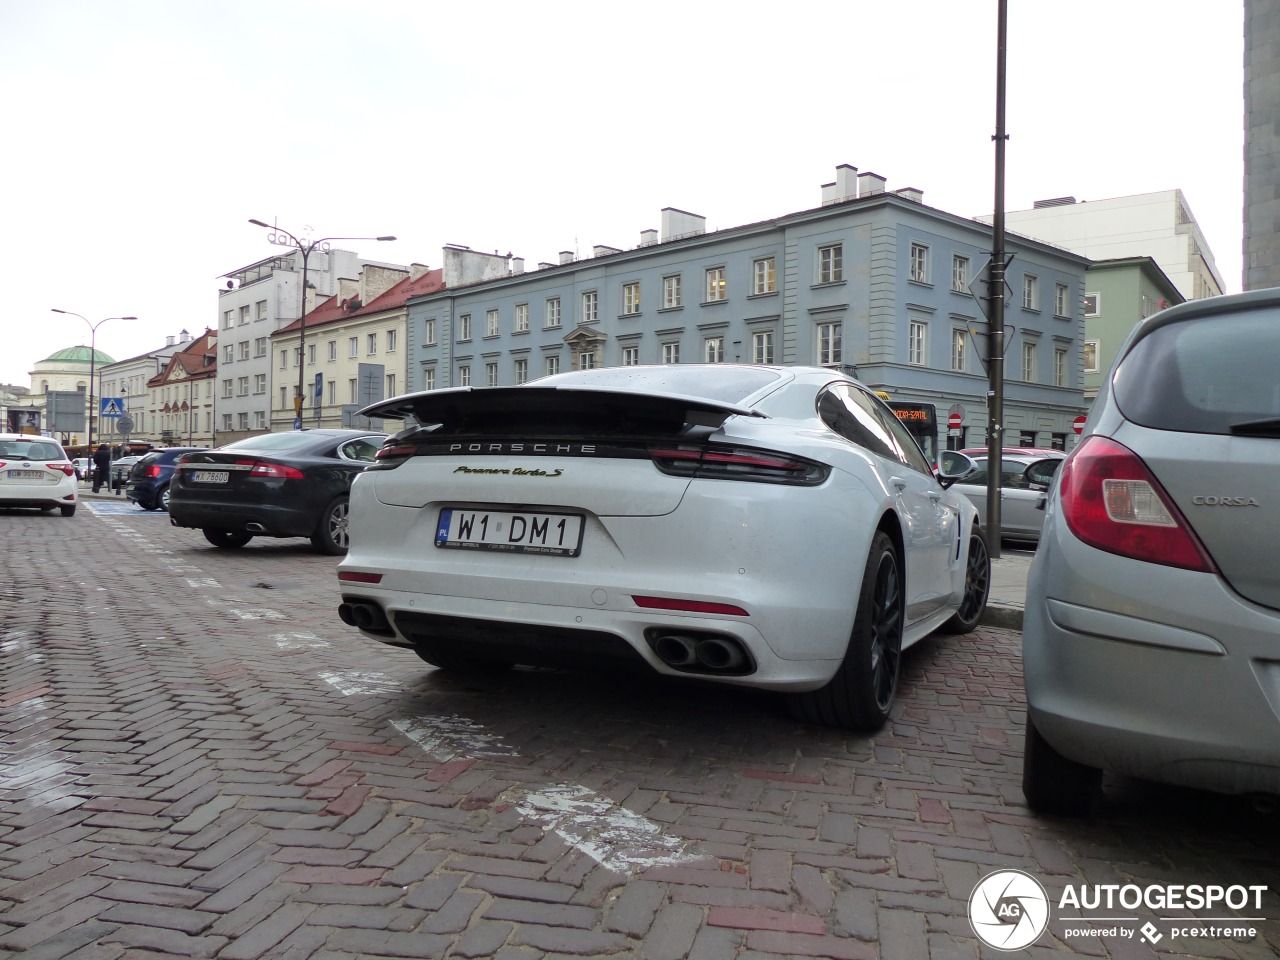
[737, 463]
[1112, 501]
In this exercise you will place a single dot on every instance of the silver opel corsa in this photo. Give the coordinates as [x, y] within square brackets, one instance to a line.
[1151, 640]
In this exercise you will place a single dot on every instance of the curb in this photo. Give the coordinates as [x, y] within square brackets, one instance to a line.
[1001, 615]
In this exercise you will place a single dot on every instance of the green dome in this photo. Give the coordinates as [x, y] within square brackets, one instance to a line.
[78, 355]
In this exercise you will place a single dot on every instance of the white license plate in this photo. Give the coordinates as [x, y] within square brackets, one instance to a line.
[559, 534]
[210, 476]
[26, 474]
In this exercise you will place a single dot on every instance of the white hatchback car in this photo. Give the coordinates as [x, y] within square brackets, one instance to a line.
[36, 472]
[762, 526]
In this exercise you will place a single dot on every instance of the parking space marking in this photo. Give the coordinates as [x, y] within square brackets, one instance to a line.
[123, 508]
[448, 737]
[350, 682]
[608, 833]
[255, 613]
[298, 641]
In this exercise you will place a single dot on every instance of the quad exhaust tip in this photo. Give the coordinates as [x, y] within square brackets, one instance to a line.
[701, 653]
[364, 615]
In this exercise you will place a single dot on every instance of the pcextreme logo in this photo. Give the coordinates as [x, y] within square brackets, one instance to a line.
[1008, 910]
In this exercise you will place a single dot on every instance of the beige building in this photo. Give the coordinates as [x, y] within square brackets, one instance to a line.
[354, 345]
[180, 398]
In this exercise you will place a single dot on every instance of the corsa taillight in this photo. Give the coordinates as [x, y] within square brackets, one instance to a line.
[1112, 501]
[737, 463]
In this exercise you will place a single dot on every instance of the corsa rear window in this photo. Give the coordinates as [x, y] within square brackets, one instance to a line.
[1204, 374]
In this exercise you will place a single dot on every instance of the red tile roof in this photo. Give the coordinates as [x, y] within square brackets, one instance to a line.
[332, 311]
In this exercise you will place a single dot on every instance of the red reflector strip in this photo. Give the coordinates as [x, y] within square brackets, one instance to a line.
[387, 453]
[689, 606]
[356, 576]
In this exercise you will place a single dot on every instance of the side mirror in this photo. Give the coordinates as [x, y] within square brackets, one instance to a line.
[1041, 473]
[954, 466]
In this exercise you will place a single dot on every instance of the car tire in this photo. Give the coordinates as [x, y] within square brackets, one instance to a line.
[860, 696]
[147, 504]
[69, 510]
[162, 499]
[456, 662]
[977, 586]
[1054, 784]
[227, 539]
[331, 535]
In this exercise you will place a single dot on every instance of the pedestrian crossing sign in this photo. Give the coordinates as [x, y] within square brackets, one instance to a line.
[112, 407]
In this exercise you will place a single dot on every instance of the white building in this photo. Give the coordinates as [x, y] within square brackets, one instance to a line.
[1156, 225]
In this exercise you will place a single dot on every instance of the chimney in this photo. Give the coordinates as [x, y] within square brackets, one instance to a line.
[566, 256]
[418, 270]
[169, 341]
[543, 265]
[844, 188]
[184, 337]
[681, 223]
[910, 193]
[870, 184]
[600, 250]
[348, 289]
[376, 280]
[517, 265]
[648, 237]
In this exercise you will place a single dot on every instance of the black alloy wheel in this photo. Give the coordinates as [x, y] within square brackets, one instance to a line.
[226, 539]
[332, 534]
[977, 586]
[860, 696]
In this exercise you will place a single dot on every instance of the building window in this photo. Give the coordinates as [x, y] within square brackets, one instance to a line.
[829, 335]
[1029, 362]
[227, 387]
[919, 263]
[242, 386]
[1030, 293]
[260, 383]
[670, 292]
[353, 392]
[260, 309]
[630, 298]
[764, 276]
[958, 346]
[244, 314]
[917, 343]
[259, 420]
[391, 385]
[243, 420]
[464, 327]
[429, 332]
[353, 348]
[586, 361]
[521, 318]
[762, 347]
[491, 323]
[1092, 304]
[333, 350]
[960, 274]
[226, 325]
[429, 379]
[491, 374]
[522, 370]
[590, 307]
[1091, 356]
[284, 401]
[831, 263]
[244, 350]
[713, 350]
[229, 353]
[1059, 367]
[630, 356]
[716, 287]
[553, 366]
[671, 351]
[391, 341]
[1060, 300]
[371, 344]
[333, 393]
[311, 354]
[226, 421]
[553, 312]
[464, 375]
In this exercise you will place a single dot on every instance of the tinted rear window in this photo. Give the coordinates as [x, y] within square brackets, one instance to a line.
[31, 450]
[1204, 374]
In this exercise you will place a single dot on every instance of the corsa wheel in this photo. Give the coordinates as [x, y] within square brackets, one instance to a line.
[860, 696]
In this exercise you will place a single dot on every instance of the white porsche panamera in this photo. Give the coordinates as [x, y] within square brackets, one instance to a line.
[772, 527]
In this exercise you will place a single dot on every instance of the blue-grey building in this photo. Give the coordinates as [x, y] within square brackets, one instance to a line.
[870, 280]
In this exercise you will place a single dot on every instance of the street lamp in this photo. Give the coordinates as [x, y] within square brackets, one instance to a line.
[306, 247]
[93, 358]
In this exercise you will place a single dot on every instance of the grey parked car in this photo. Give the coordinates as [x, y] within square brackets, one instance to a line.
[1153, 603]
[1024, 482]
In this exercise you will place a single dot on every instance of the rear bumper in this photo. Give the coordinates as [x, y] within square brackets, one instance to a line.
[264, 520]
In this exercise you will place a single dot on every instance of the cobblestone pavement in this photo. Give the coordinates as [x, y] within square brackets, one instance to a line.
[197, 759]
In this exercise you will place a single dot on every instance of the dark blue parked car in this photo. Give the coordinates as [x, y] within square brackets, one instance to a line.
[148, 484]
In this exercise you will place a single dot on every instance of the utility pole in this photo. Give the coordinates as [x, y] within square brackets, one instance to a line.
[995, 343]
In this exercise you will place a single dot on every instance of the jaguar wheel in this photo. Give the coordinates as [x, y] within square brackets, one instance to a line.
[227, 539]
[332, 535]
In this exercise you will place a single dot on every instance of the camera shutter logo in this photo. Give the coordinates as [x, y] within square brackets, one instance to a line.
[1008, 910]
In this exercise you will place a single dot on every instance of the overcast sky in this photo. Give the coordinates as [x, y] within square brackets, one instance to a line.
[141, 135]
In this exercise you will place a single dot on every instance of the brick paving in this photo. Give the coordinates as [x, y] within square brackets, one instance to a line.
[197, 759]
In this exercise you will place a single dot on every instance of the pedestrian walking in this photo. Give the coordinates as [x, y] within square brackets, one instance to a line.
[101, 466]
